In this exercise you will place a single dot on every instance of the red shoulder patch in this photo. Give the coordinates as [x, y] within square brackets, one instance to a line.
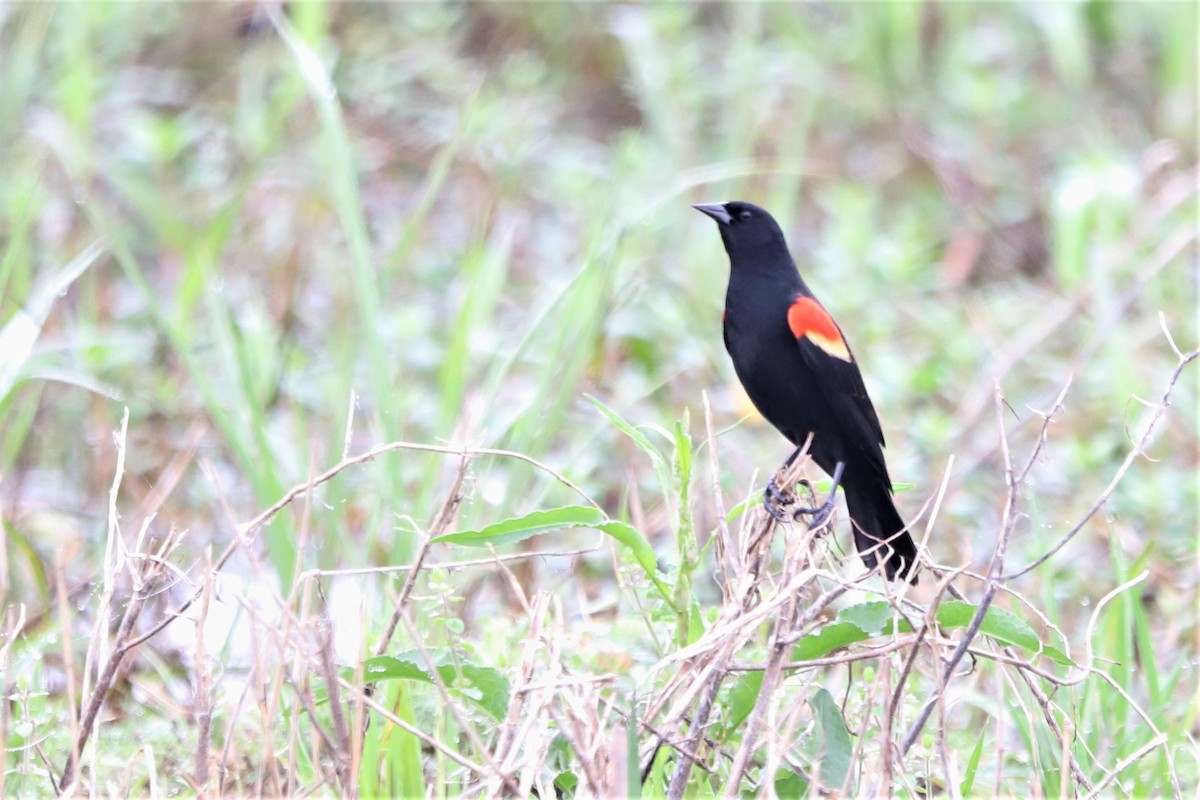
[809, 320]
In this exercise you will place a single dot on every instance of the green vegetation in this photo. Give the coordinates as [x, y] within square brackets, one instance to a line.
[457, 239]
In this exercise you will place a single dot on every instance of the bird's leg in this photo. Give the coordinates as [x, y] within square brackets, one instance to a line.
[821, 513]
[792, 458]
[773, 498]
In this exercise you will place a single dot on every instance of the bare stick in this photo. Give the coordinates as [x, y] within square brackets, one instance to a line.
[770, 683]
[453, 755]
[1157, 741]
[451, 566]
[440, 523]
[727, 557]
[463, 724]
[125, 643]
[74, 711]
[13, 624]
[247, 531]
[505, 749]
[1138, 449]
[341, 733]
[1008, 522]
[202, 693]
[683, 768]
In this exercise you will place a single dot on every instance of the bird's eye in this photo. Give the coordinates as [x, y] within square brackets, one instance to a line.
[744, 215]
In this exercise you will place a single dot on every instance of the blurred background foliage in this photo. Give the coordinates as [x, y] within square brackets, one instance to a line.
[463, 218]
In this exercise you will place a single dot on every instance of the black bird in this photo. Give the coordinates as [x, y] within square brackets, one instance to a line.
[801, 375]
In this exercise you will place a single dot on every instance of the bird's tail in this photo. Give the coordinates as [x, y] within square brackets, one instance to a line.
[879, 530]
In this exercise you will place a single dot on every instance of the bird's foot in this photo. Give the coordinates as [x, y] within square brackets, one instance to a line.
[773, 501]
[819, 515]
[816, 516]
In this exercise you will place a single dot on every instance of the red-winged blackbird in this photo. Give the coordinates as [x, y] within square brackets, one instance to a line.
[801, 375]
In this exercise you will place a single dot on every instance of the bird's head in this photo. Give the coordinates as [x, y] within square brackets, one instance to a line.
[743, 226]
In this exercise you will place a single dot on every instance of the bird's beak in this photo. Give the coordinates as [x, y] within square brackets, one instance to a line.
[715, 210]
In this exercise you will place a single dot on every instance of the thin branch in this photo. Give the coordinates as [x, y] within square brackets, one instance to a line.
[1008, 523]
[361, 695]
[246, 532]
[202, 698]
[125, 643]
[451, 566]
[1140, 753]
[1138, 449]
[440, 523]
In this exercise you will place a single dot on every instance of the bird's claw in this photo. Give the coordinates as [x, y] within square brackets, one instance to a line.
[773, 499]
[817, 517]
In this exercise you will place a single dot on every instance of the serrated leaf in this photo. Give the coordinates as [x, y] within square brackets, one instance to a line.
[486, 686]
[387, 668]
[518, 529]
[491, 684]
[872, 617]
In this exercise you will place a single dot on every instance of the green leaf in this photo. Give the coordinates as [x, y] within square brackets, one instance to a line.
[632, 539]
[695, 624]
[968, 782]
[854, 624]
[873, 618]
[999, 624]
[490, 683]
[790, 786]
[566, 782]
[1058, 656]
[826, 639]
[644, 444]
[633, 780]
[486, 686]
[655, 786]
[683, 448]
[388, 668]
[1003, 626]
[19, 334]
[633, 433]
[863, 621]
[742, 698]
[743, 507]
[406, 778]
[833, 739]
[518, 529]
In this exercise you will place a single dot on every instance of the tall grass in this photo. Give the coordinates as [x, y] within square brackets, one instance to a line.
[280, 239]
